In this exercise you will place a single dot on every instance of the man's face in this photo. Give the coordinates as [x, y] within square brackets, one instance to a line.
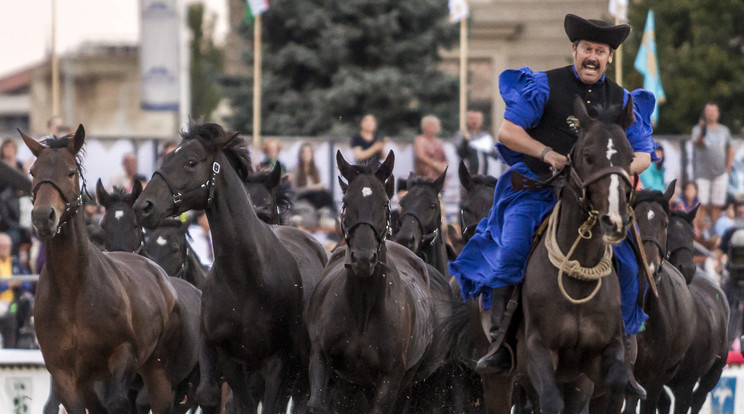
[474, 120]
[130, 164]
[590, 60]
[711, 113]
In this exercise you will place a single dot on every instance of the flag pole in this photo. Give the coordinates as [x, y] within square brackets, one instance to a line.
[257, 83]
[619, 60]
[55, 62]
[463, 70]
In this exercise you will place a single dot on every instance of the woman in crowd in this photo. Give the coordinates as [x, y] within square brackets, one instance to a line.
[369, 143]
[429, 157]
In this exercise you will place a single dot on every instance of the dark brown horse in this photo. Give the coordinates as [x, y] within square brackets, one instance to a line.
[420, 221]
[121, 233]
[571, 340]
[371, 318]
[475, 203]
[262, 275]
[269, 195]
[706, 357]
[101, 317]
[671, 323]
[169, 246]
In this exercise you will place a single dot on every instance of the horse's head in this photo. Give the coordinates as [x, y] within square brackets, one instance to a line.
[421, 213]
[167, 245]
[365, 218]
[600, 165]
[651, 208]
[476, 199]
[681, 240]
[186, 180]
[121, 232]
[56, 182]
[269, 198]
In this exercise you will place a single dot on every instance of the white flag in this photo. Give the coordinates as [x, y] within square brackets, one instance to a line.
[619, 10]
[458, 10]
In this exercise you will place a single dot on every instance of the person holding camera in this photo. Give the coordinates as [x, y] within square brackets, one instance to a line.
[712, 156]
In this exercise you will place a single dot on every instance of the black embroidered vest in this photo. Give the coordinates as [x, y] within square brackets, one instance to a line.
[553, 129]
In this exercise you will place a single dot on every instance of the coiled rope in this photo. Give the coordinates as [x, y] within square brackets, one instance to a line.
[573, 268]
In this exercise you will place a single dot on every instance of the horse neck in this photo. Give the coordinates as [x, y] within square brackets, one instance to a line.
[435, 252]
[572, 215]
[367, 295]
[67, 256]
[236, 227]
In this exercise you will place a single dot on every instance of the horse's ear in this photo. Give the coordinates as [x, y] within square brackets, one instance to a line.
[580, 112]
[439, 182]
[669, 193]
[136, 190]
[343, 167]
[409, 181]
[465, 178]
[390, 186]
[344, 186]
[276, 176]
[79, 139]
[102, 194]
[628, 117]
[32, 144]
[692, 213]
[386, 169]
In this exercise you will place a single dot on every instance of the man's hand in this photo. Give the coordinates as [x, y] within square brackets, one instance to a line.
[556, 160]
[700, 141]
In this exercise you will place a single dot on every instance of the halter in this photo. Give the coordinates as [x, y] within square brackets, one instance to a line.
[582, 184]
[71, 207]
[430, 237]
[380, 236]
[209, 186]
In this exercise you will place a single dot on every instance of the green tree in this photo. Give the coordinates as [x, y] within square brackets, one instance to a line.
[700, 46]
[328, 62]
[206, 64]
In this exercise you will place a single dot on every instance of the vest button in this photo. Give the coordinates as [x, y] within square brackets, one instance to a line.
[589, 90]
[588, 101]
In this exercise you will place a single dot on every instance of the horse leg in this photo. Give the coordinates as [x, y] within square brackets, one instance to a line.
[116, 389]
[631, 404]
[53, 402]
[541, 368]
[73, 397]
[615, 373]
[158, 384]
[707, 382]
[386, 395]
[208, 393]
[275, 371]
[320, 378]
[665, 402]
[578, 395]
[241, 401]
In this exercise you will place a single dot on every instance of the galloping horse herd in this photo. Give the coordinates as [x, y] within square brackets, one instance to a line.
[379, 326]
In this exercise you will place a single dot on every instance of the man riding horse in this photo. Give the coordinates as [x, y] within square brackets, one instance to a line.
[536, 136]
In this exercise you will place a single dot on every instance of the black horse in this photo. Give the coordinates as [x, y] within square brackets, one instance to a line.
[261, 277]
[475, 203]
[168, 245]
[670, 328]
[371, 318]
[103, 317]
[270, 197]
[121, 233]
[420, 221]
[706, 357]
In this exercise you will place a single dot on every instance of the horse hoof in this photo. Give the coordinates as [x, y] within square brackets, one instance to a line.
[635, 389]
[500, 362]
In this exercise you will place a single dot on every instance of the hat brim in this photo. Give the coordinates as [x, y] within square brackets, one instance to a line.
[578, 28]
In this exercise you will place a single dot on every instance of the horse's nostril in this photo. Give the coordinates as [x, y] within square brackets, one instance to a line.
[606, 220]
[51, 216]
[374, 258]
[147, 208]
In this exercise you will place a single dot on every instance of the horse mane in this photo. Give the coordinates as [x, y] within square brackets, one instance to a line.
[55, 142]
[119, 195]
[212, 135]
[486, 180]
[652, 196]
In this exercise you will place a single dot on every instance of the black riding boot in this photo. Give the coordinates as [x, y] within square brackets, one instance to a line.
[501, 355]
[631, 352]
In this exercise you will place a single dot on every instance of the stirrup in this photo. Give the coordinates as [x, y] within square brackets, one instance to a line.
[483, 368]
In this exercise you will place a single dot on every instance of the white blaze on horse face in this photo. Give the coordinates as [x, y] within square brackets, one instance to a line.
[118, 214]
[366, 192]
[650, 215]
[614, 199]
[610, 150]
[161, 241]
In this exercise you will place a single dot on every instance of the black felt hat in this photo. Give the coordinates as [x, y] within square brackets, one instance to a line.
[578, 28]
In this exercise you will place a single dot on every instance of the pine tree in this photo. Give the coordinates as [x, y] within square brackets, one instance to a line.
[328, 62]
[205, 66]
[700, 46]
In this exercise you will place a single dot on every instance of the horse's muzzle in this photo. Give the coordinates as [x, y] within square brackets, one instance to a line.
[614, 228]
[363, 263]
[45, 220]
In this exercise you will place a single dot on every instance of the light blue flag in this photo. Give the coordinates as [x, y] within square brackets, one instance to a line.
[647, 64]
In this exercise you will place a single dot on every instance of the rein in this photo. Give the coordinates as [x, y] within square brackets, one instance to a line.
[209, 186]
[381, 236]
[573, 268]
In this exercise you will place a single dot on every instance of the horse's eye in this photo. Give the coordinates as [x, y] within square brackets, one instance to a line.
[71, 174]
[433, 205]
[192, 163]
[589, 159]
[31, 172]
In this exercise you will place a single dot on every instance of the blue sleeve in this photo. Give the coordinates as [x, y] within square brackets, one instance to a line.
[3, 286]
[639, 134]
[525, 94]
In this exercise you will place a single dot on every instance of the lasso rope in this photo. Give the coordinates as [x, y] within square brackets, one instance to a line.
[573, 268]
